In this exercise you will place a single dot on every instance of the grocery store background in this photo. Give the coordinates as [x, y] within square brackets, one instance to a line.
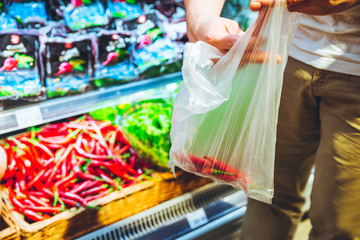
[84, 82]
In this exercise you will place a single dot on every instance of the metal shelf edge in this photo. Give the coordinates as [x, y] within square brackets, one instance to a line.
[55, 109]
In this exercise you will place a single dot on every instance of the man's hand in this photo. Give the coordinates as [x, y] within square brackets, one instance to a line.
[311, 7]
[219, 32]
[205, 24]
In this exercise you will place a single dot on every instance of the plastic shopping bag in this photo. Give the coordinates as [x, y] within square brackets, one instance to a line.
[225, 115]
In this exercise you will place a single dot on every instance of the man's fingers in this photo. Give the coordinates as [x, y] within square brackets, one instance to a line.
[258, 57]
[294, 6]
[255, 43]
[232, 27]
[257, 5]
[226, 43]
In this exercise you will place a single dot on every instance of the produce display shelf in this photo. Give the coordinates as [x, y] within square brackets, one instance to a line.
[189, 216]
[55, 109]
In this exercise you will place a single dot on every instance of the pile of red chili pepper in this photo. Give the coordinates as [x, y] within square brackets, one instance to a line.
[68, 164]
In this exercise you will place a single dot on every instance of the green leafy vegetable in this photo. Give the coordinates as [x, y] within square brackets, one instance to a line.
[148, 123]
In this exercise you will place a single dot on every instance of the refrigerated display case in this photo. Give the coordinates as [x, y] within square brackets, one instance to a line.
[192, 214]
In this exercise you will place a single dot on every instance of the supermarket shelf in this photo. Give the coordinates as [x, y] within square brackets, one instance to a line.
[60, 108]
[189, 216]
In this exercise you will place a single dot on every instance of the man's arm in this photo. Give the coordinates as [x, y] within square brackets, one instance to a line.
[311, 7]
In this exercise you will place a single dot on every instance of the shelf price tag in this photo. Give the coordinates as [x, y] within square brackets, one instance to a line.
[196, 218]
[28, 117]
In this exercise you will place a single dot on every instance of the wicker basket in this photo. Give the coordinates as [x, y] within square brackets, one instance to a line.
[114, 207]
[8, 230]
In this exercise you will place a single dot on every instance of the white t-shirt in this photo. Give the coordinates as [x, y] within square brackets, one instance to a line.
[330, 42]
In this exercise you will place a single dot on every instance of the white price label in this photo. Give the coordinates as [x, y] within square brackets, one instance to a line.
[28, 117]
[196, 218]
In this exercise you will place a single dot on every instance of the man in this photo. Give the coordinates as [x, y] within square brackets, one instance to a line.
[319, 117]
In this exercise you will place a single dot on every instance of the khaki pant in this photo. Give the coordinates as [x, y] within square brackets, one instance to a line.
[319, 123]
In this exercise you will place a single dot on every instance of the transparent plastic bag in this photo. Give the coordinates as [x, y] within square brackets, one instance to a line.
[225, 114]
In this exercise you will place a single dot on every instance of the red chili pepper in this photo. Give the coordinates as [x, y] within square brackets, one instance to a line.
[74, 197]
[132, 161]
[60, 140]
[27, 202]
[54, 128]
[44, 209]
[59, 152]
[78, 126]
[220, 174]
[17, 188]
[100, 195]
[53, 146]
[85, 143]
[48, 162]
[58, 163]
[80, 186]
[101, 139]
[9, 183]
[33, 215]
[219, 165]
[44, 148]
[121, 137]
[144, 164]
[99, 163]
[63, 169]
[35, 179]
[46, 191]
[25, 161]
[123, 164]
[199, 163]
[69, 177]
[110, 137]
[33, 157]
[124, 149]
[37, 200]
[94, 190]
[82, 175]
[11, 168]
[104, 124]
[108, 179]
[92, 145]
[116, 148]
[70, 202]
[114, 168]
[89, 185]
[20, 184]
[91, 156]
[99, 150]
[125, 185]
[212, 167]
[18, 205]
[47, 173]
[37, 194]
